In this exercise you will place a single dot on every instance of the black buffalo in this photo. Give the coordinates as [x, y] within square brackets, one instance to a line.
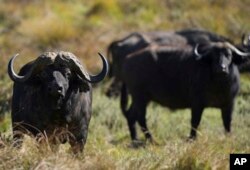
[118, 50]
[52, 95]
[181, 76]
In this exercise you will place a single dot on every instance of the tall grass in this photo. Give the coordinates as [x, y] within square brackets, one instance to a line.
[108, 145]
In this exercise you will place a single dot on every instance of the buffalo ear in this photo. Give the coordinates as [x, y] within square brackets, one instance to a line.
[84, 87]
[238, 60]
[82, 84]
[201, 51]
[245, 40]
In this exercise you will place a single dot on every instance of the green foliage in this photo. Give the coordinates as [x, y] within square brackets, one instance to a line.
[87, 27]
[5, 95]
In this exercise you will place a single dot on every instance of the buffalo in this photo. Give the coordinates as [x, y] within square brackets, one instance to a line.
[118, 50]
[181, 76]
[52, 95]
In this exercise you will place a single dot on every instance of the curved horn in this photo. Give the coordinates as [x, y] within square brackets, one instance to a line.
[74, 63]
[99, 77]
[236, 50]
[15, 77]
[198, 55]
[38, 64]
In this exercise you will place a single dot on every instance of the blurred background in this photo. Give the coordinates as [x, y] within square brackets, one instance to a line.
[84, 27]
[30, 27]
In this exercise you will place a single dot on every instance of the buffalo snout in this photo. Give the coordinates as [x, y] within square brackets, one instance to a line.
[58, 86]
[56, 90]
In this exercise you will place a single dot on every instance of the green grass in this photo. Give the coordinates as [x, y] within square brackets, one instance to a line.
[108, 145]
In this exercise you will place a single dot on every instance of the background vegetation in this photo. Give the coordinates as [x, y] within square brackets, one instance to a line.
[30, 27]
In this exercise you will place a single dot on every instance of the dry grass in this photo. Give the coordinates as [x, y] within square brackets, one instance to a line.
[108, 145]
[47, 32]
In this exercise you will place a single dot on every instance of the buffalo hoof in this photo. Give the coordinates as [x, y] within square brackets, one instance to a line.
[228, 134]
[191, 138]
[152, 141]
[137, 144]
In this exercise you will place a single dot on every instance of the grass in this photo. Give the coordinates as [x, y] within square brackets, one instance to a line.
[108, 145]
[86, 28]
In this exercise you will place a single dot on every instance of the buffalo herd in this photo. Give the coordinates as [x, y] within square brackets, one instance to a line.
[192, 69]
[184, 69]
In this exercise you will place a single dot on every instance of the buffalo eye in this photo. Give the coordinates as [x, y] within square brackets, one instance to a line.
[68, 73]
[228, 55]
[43, 75]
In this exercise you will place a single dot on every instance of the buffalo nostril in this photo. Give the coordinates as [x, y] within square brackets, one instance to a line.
[60, 88]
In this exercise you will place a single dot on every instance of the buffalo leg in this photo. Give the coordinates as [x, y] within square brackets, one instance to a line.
[17, 138]
[131, 119]
[140, 104]
[78, 135]
[195, 120]
[18, 133]
[124, 99]
[130, 114]
[76, 146]
[141, 118]
[144, 128]
[227, 117]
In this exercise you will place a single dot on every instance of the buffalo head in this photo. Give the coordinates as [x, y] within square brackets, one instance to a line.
[54, 73]
[220, 54]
